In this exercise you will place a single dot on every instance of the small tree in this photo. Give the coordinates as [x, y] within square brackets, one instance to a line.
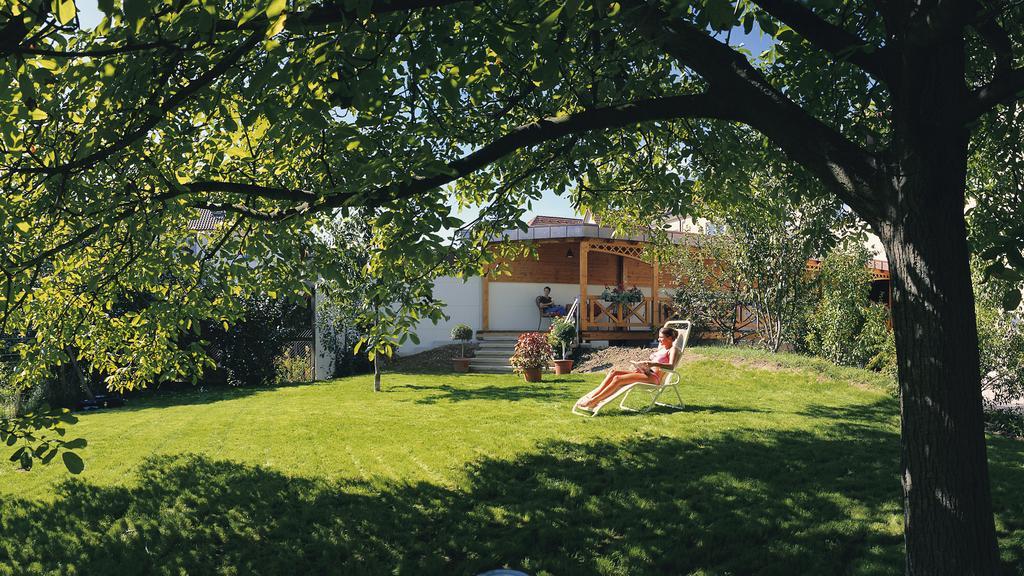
[709, 282]
[369, 289]
[463, 333]
[835, 322]
[1000, 339]
[562, 333]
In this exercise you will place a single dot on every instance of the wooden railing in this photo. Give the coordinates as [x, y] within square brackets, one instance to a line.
[644, 315]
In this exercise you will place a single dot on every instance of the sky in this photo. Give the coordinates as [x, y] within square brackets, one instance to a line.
[550, 203]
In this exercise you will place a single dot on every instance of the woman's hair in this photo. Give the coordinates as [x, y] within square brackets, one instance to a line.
[670, 332]
[547, 287]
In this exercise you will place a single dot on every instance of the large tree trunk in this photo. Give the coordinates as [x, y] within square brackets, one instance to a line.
[948, 521]
[947, 503]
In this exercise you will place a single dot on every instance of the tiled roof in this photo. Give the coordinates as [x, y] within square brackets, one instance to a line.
[553, 221]
[207, 220]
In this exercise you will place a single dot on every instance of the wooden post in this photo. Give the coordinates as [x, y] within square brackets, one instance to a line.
[656, 318]
[584, 305]
[485, 301]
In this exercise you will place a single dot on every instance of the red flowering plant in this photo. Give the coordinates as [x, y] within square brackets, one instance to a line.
[532, 351]
[620, 295]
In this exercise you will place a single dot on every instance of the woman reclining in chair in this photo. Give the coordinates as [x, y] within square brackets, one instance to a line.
[649, 372]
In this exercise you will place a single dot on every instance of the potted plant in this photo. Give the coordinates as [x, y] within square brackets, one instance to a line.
[463, 333]
[532, 354]
[562, 333]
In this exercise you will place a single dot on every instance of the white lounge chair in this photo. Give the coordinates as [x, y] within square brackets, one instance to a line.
[669, 378]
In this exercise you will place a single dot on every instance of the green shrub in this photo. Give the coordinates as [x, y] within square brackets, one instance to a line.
[9, 396]
[1006, 422]
[532, 351]
[293, 368]
[247, 350]
[346, 361]
[1000, 340]
[835, 323]
[562, 334]
[876, 341]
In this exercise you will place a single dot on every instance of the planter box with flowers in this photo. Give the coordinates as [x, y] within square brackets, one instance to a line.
[619, 295]
[532, 354]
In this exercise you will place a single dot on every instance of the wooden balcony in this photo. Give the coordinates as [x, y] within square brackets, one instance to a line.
[600, 320]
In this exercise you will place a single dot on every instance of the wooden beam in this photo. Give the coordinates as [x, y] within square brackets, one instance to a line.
[486, 300]
[584, 305]
[656, 319]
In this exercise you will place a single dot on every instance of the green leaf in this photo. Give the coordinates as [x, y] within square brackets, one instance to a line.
[248, 15]
[76, 444]
[136, 10]
[552, 18]
[65, 10]
[1011, 299]
[1013, 256]
[720, 14]
[17, 454]
[275, 8]
[49, 456]
[277, 26]
[23, 227]
[73, 462]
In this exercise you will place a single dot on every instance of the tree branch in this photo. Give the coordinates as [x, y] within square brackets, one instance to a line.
[846, 168]
[1003, 88]
[841, 44]
[12, 36]
[168, 105]
[708, 105]
[271, 193]
[1007, 83]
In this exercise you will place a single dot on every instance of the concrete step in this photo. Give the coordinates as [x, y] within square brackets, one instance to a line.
[489, 361]
[495, 351]
[506, 354]
[491, 369]
[498, 336]
[497, 344]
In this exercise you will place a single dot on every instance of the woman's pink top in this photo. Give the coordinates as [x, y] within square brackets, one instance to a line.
[660, 356]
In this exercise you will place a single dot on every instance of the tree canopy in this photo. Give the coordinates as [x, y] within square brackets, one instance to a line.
[281, 113]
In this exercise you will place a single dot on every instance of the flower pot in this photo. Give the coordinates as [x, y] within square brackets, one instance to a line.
[460, 364]
[563, 366]
[531, 374]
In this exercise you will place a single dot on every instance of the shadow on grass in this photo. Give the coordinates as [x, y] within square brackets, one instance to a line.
[510, 393]
[613, 411]
[881, 411]
[189, 396]
[748, 502]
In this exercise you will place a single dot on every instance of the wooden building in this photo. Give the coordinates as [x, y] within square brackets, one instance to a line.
[578, 259]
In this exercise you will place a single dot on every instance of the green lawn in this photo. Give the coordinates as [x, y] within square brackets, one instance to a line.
[773, 468]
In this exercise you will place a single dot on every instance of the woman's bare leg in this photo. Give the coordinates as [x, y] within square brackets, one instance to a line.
[601, 387]
[615, 385]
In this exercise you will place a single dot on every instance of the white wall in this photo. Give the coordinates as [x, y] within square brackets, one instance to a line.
[463, 305]
[513, 306]
[323, 355]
